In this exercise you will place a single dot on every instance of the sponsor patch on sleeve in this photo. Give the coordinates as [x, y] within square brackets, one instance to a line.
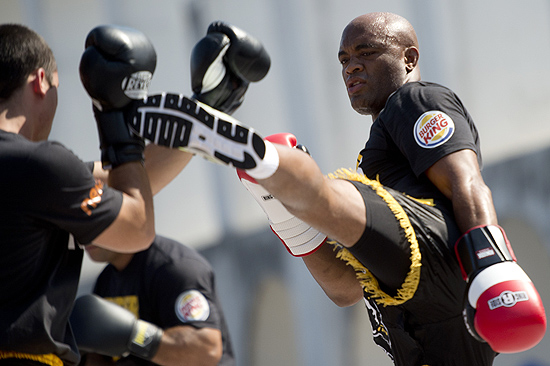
[192, 306]
[433, 129]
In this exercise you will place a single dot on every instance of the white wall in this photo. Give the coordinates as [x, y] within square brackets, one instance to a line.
[493, 54]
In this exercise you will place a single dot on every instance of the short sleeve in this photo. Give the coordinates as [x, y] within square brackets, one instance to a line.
[67, 195]
[190, 298]
[427, 122]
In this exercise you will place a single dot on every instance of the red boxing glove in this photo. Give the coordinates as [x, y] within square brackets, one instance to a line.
[502, 306]
[299, 238]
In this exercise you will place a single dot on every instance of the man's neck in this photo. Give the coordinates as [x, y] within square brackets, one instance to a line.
[11, 120]
[122, 261]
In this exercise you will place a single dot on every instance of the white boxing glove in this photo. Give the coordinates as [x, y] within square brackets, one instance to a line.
[299, 238]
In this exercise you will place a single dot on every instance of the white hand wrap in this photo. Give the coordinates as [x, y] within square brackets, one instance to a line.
[299, 238]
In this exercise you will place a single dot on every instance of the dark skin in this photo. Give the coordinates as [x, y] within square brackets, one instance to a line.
[378, 53]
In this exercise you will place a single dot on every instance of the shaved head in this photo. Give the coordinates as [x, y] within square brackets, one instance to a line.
[388, 28]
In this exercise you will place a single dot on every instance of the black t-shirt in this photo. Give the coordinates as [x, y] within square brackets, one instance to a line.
[47, 193]
[421, 123]
[168, 284]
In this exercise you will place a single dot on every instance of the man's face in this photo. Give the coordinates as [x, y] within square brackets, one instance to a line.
[372, 67]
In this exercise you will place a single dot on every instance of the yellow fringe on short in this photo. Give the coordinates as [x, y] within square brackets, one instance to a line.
[48, 359]
[366, 278]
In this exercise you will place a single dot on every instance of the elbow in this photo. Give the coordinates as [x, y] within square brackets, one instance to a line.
[347, 298]
[210, 353]
[147, 228]
[204, 357]
[213, 356]
[344, 302]
[210, 356]
[200, 347]
[135, 224]
[148, 239]
[139, 238]
[145, 232]
[149, 232]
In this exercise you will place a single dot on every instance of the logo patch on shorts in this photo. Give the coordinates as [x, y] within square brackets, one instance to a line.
[192, 306]
[433, 129]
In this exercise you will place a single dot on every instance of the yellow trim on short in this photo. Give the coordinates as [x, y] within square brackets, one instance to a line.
[366, 278]
[424, 201]
[47, 359]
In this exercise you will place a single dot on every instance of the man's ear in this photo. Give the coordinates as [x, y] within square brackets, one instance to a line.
[411, 58]
[40, 83]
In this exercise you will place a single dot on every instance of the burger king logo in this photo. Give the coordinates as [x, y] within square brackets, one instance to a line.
[192, 306]
[433, 129]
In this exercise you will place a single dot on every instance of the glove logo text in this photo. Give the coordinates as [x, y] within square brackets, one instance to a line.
[144, 334]
[267, 197]
[507, 299]
[136, 85]
[484, 253]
